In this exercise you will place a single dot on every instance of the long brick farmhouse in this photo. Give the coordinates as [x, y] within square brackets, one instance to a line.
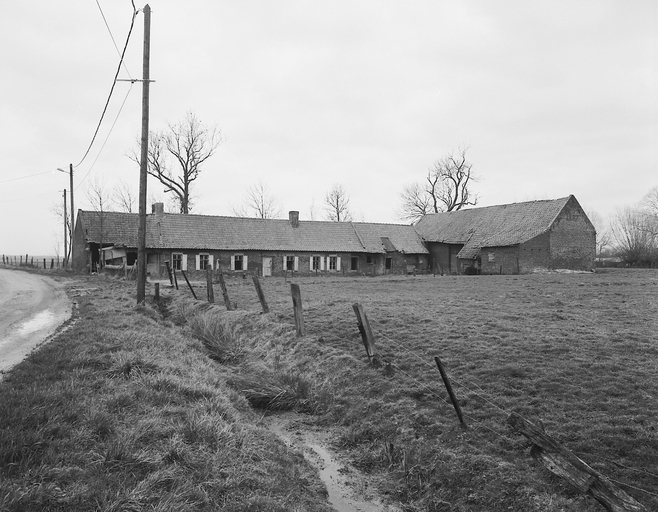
[509, 239]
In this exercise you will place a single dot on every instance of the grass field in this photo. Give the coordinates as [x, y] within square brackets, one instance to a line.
[148, 408]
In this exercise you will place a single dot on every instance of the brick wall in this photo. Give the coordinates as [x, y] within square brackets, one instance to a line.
[572, 239]
[500, 260]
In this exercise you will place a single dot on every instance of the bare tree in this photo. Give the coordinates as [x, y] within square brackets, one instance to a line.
[58, 210]
[602, 232]
[635, 236]
[447, 188]
[125, 199]
[337, 205]
[258, 202]
[98, 196]
[190, 144]
[415, 203]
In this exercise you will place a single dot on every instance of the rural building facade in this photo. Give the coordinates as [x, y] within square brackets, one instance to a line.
[239, 245]
[511, 239]
[505, 239]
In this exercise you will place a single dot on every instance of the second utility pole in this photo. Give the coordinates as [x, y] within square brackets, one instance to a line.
[143, 164]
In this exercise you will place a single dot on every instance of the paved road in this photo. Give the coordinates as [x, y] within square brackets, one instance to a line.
[31, 308]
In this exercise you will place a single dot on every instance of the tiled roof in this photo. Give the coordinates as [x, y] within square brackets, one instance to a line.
[205, 232]
[491, 226]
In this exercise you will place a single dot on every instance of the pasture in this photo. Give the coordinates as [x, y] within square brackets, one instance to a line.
[165, 406]
[577, 353]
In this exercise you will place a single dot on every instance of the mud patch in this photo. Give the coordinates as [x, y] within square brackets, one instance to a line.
[348, 490]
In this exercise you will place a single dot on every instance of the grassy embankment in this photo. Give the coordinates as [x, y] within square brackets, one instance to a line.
[127, 407]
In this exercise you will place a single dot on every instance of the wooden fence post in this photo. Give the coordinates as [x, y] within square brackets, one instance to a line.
[44, 263]
[297, 307]
[188, 284]
[261, 295]
[168, 265]
[157, 292]
[565, 464]
[222, 285]
[451, 393]
[175, 278]
[366, 334]
[52, 263]
[211, 291]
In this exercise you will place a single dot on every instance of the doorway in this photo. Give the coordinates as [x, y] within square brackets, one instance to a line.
[267, 266]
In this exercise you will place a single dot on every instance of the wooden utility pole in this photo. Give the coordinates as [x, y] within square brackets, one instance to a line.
[72, 208]
[65, 229]
[141, 231]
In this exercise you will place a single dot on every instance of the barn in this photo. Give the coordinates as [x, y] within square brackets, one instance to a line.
[237, 245]
[511, 238]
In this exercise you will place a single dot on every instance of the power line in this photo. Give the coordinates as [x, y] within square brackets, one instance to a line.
[106, 138]
[112, 35]
[114, 82]
[25, 177]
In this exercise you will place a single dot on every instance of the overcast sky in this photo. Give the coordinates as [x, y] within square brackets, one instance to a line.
[552, 98]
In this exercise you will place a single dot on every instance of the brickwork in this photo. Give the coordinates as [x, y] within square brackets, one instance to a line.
[572, 239]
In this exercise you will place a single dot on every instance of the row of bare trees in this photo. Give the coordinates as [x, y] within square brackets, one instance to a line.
[633, 232]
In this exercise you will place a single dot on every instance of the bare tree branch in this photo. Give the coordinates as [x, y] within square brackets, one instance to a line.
[337, 204]
[258, 202]
[125, 199]
[190, 143]
[447, 187]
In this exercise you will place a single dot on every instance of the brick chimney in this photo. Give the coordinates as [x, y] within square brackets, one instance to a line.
[158, 209]
[293, 218]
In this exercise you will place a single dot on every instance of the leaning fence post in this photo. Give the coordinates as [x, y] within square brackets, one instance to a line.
[366, 333]
[261, 295]
[168, 265]
[451, 393]
[188, 284]
[222, 285]
[175, 278]
[297, 307]
[211, 291]
[562, 462]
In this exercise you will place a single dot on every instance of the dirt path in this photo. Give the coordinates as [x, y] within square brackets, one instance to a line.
[31, 309]
[348, 489]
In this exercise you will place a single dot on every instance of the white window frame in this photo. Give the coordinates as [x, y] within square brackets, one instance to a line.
[295, 262]
[173, 266]
[245, 262]
[198, 260]
[320, 262]
[337, 261]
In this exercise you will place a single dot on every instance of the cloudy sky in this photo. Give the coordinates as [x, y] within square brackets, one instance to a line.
[551, 97]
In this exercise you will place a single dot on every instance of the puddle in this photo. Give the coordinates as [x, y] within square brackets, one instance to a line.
[347, 488]
[37, 322]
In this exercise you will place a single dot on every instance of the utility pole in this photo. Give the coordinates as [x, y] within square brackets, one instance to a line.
[141, 231]
[66, 252]
[72, 209]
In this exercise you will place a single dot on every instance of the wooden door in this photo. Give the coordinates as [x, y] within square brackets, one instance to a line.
[267, 267]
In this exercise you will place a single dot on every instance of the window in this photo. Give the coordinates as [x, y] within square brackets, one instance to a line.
[177, 261]
[237, 262]
[204, 260]
[315, 263]
[389, 263]
[369, 259]
[492, 256]
[333, 262]
[354, 263]
[290, 263]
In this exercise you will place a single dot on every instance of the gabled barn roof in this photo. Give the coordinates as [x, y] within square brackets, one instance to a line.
[205, 232]
[491, 226]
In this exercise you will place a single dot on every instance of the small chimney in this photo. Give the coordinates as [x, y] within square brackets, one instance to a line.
[157, 209]
[293, 218]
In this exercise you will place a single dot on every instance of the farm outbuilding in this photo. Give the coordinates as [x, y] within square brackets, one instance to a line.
[244, 245]
[511, 238]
